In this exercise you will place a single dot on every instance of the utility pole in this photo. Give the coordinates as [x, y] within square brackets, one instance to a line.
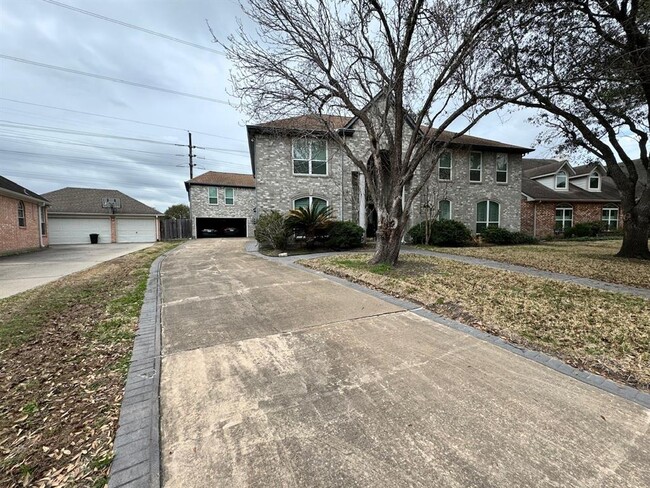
[191, 155]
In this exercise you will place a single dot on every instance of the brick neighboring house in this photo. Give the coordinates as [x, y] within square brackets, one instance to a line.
[556, 196]
[478, 181]
[222, 204]
[23, 219]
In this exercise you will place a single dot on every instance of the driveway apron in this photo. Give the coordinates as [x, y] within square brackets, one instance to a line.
[273, 376]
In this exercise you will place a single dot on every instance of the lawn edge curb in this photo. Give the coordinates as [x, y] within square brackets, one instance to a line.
[623, 391]
[136, 448]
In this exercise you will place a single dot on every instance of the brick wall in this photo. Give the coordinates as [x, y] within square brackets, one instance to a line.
[541, 216]
[243, 208]
[14, 238]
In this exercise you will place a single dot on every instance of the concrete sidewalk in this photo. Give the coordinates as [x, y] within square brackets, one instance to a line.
[273, 376]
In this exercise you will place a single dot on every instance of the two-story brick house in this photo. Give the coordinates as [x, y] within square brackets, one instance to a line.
[477, 181]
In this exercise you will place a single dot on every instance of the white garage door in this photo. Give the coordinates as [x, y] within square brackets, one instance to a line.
[136, 230]
[68, 230]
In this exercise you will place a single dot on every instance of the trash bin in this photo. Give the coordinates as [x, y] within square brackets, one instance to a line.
[94, 238]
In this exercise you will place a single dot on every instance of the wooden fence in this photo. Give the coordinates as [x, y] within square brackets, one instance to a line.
[171, 229]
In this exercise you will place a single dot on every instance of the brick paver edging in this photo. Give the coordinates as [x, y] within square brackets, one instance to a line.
[137, 442]
[627, 392]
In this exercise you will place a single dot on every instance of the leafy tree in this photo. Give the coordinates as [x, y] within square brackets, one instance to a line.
[271, 231]
[406, 70]
[585, 64]
[178, 211]
[310, 220]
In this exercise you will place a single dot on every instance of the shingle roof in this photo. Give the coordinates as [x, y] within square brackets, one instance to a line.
[468, 140]
[89, 201]
[214, 178]
[9, 185]
[537, 191]
[533, 168]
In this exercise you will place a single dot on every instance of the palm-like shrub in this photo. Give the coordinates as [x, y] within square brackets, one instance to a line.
[310, 221]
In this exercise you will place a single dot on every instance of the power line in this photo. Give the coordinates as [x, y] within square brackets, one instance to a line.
[118, 118]
[132, 26]
[110, 78]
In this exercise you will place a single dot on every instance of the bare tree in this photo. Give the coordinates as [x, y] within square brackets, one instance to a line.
[405, 69]
[586, 65]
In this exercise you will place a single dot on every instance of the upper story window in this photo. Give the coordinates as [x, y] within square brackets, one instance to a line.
[21, 215]
[444, 210]
[444, 167]
[487, 215]
[502, 168]
[229, 196]
[561, 181]
[213, 195]
[594, 181]
[476, 167]
[310, 157]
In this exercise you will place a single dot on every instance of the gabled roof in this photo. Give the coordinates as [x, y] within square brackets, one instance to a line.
[537, 191]
[88, 201]
[214, 178]
[536, 168]
[586, 169]
[14, 190]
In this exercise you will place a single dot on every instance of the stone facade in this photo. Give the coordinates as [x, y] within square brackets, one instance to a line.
[243, 208]
[278, 187]
[14, 238]
[538, 218]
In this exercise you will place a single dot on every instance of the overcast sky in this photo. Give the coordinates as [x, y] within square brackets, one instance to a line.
[42, 158]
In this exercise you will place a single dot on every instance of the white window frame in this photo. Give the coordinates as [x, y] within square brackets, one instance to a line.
[480, 180]
[451, 209]
[225, 195]
[310, 160]
[608, 220]
[22, 214]
[497, 170]
[216, 197]
[597, 175]
[563, 207]
[566, 180]
[311, 201]
[487, 222]
[451, 167]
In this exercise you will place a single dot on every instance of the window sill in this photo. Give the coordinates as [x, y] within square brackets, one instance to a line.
[301, 175]
[475, 182]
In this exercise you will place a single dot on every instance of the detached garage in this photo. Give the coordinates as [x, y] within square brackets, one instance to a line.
[114, 216]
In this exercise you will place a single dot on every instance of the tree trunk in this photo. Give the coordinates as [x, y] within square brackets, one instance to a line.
[635, 237]
[390, 230]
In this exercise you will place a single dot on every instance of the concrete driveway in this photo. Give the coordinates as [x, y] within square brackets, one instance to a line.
[26, 271]
[278, 377]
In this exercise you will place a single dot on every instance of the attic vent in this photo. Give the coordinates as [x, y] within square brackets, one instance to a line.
[111, 203]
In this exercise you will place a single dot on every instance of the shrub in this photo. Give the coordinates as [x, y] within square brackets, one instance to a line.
[312, 221]
[271, 231]
[584, 229]
[504, 237]
[447, 233]
[344, 235]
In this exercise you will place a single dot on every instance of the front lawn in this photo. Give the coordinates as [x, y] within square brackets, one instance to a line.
[588, 259]
[602, 332]
[64, 355]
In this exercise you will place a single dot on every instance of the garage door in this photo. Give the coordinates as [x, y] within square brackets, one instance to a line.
[136, 230]
[214, 227]
[67, 230]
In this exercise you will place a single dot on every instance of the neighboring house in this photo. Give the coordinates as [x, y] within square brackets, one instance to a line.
[23, 218]
[556, 196]
[477, 181]
[222, 204]
[78, 212]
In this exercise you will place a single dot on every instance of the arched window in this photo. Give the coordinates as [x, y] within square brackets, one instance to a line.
[21, 215]
[610, 217]
[307, 202]
[561, 181]
[563, 217]
[444, 210]
[594, 181]
[487, 215]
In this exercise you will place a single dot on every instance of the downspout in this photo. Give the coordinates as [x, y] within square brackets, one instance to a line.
[40, 226]
[535, 220]
[342, 178]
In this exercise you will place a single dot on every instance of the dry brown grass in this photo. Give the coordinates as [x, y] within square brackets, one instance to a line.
[588, 259]
[64, 355]
[603, 332]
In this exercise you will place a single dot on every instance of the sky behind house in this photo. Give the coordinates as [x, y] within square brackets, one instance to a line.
[44, 148]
